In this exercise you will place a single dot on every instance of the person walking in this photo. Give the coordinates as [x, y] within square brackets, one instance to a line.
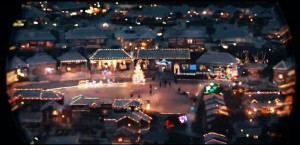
[178, 89]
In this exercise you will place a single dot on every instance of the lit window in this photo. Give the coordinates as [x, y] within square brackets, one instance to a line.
[68, 68]
[120, 139]
[280, 76]
[55, 112]
[190, 41]
[49, 44]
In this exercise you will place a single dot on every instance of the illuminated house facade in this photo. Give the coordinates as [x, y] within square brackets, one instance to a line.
[86, 37]
[34, 40]
[72, 61]
[163, 59]
[110, 60]
[186, 38]
[41, 64]
[284, 72]
[19, 67]
[211, 65]
[135, 38]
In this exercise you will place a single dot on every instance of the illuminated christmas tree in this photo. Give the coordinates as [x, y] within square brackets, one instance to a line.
[138, 76]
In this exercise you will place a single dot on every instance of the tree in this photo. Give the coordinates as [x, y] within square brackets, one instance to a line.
[138, 76]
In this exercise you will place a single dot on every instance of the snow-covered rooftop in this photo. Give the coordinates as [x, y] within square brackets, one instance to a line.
[36, 93]
[199, 32]
[40, 58]
[30, 12]
[85, 33]
[24, 35]
[109, 54]
[54, 104]
[16, 62]
[135, 32]
[84, 100]
[164, 54]
[124, 103]
[284, 64]
[71, 55]
[217, 58]
[158, 11]
[134, 115]
[68, 5]
[231, 32]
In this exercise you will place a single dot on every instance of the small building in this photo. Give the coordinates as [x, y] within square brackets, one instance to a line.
[110, 60]
[135, 120]
[232, 35]
[41, 64]
[72, 61]
[211, 65]
[187, 38]
[153, 59]
[254, 69]
[126, 104]
[124, 135]
[19, 67]
[33, 40]
[214, 138]
[52, 111]
[135, 38]
[86, 37]
[81, 102]
[284, 72]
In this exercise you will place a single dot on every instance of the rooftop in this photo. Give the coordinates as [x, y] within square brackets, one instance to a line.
[71, 55]
[24, 35]
[85, 33]
[164, 54]
[136, 32]
[110, 54]
[200, 32]
[217, 58]
[16, 62]
[40, 58]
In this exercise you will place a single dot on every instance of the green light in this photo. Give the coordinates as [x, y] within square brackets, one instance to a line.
[211, 90]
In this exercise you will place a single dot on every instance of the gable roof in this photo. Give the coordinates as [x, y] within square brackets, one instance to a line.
[28, 93]
[71, 55]
[124, 103]
[31, 12]
[54, 104]
[136, 32]
[214, 135]
[24, 35]
[164, 54]
[85, 33]
[284, 64]
[217, 58]
[125, 132]
[84, 100]
[16, 62]
[40, 58]
[109, 54]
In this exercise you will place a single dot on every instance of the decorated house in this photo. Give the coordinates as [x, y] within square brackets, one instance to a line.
[187, 38]
[214, 138]
[284, 72]
[210, 65]
[126, 104]
[33, 40]
[163, 59]
[86, 37]
[124, 135]
[35, 98]
[135, 38]
[254, 69]
[52, 112]
[110, 60]
[41, 64]
[19, 67]
[72, 61]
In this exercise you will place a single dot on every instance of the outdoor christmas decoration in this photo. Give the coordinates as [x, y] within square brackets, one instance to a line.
[138, 76]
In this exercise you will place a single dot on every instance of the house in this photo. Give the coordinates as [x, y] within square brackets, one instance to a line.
[72, 61]
[52, 111]
[218, 64]
[41, 64]
[232, 35]
[81, 102]
[127, 104]
[124, 135]
[135, 120]
[18, 66]
[254, 69]
[191, 38]
[135, 38]
[32, 15]
[33, 40]
[214, 138]
[172, 58]
[284, 72]
[86, 37]
[110, 60]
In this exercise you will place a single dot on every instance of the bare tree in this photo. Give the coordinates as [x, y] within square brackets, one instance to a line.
[260, 57]
[243, 56]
